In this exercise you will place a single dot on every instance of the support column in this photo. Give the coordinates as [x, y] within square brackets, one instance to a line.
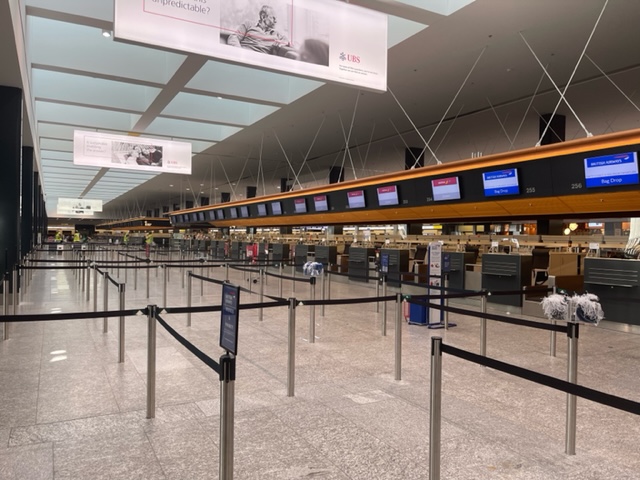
[10, 145]
[28, 226]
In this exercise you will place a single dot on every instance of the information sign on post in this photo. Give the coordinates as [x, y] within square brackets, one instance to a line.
[434, 279]
[229, 318]
[384, 262]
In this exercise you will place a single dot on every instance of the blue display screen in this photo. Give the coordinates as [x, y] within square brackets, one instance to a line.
[501, 182]
[611, 170]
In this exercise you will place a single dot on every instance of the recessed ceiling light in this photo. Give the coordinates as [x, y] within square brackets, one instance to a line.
[106, 33]
[216, 188]
[202, 184]
[188, 189]
[171, 185]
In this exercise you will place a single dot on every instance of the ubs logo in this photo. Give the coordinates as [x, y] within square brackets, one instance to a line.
[348, 57]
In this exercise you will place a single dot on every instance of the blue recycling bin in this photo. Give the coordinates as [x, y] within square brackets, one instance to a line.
[417, 314]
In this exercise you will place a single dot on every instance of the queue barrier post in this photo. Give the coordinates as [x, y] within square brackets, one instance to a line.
[552, 335]
[23, 278]
[88, 270]
[164, 287]
[262, 278]
[378, 281]
[280, 280]
[227, 400]
[323, 289]
[5, 294]
[384, 306]
[135, 278]
[105, 300]
[291, 349]
[189, 286]
[121, 290]
[14, 290]
[483, 326]
[572, 377]
[148, 280]
[151, 361]
[29, 274]
[82, 270]
[312, 310]
[435, 411]
[226, 272]
[95, 288]
[446, 301]
[293, 274]
[201, 281]
[126, 267]
[398, 338]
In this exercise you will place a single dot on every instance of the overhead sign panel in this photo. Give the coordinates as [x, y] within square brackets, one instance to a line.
[332, 41]
[78, 206]
[611, 170]
[131, 153]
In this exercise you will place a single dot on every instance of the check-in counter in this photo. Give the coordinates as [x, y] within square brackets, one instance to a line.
[394, 262]
[326, 255]
[236, 251]
[566, 263]
[506, 272]
[301, 255]
[359, 263]
[280, 252]
[616, 282]
[455, 269]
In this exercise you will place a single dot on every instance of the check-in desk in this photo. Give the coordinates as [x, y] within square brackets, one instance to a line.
[395, 262]
[326, 255]
[263, 252]
[505, 272]
[456, 269]
[359, 263]
[566, 263]
[220, 253]
[616, 282]
[236, 249]
[280, 252]
[301, 255]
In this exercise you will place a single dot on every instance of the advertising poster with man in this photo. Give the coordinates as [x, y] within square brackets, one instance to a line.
[331, 41]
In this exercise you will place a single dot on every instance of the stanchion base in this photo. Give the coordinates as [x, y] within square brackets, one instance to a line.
[441, 325]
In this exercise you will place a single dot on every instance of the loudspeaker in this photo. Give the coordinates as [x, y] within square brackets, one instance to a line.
[555, 132]
[336, 175]
[413, 156]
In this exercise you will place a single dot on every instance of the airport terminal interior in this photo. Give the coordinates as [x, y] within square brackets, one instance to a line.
[221, 262]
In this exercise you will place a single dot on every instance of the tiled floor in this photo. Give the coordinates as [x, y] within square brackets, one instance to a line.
[69, 410]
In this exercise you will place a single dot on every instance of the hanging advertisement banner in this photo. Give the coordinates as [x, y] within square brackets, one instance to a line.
[131, 153]
[331, 41]
[78, 206]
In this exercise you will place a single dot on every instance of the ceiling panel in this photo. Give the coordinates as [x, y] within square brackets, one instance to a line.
[216, 110]
[85, 117]
[190, 129]
[95, 92]
[236, 81]
[68, 46]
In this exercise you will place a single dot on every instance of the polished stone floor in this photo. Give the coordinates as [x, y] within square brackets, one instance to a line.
[69, 410]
